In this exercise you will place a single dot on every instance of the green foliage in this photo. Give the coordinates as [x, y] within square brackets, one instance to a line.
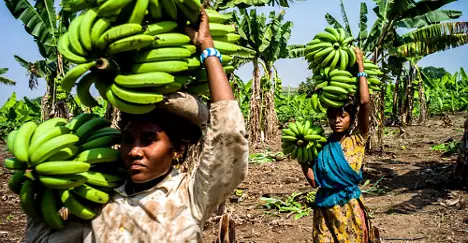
[447, 94]
[434, 72]
[4, 80]
[297, 204]
[295, 107]
[265, 157]
[307, 87]
[15, 113]
[447, 148]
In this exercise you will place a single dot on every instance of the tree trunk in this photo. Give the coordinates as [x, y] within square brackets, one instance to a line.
[396, 100]
[372, 123]
[409, 119]
[270, 117]
[422, 104]
[460, 176]
[407, 105]
[255, 102]
[381, 118]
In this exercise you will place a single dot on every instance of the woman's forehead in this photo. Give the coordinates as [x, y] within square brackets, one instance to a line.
[142, 126]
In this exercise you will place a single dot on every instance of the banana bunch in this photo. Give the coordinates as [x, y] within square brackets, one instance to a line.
[303, 141]
[58, 163]
[330, 49]
[374, 74]
[135, 52]
[333, 89]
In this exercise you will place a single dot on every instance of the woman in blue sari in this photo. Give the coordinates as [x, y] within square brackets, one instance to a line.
[340, 215]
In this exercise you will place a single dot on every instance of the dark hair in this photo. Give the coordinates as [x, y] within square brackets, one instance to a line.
[350, 106]
[179, 130]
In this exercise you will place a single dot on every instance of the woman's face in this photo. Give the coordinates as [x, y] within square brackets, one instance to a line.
[339, 120]
[146, 151]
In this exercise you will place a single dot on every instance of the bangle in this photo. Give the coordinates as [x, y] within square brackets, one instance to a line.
[362, 74]
[209, 52]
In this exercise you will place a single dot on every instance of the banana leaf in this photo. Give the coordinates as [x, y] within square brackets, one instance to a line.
[433, 17]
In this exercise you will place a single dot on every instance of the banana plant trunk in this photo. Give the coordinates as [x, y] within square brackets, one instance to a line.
[270, 117]
[255, 102]
[422, 104]
[396, 90]
[459, 177]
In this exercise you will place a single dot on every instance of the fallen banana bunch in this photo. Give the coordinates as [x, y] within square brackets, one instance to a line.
[135, 52]
[303, 141]
[332, 59]
[57, 162]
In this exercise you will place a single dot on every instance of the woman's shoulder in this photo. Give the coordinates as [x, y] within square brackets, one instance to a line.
[357, 138]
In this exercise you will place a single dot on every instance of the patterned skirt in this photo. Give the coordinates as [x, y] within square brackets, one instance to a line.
[343, 224]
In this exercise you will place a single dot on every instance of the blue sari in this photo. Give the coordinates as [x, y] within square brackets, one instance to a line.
[337, 181]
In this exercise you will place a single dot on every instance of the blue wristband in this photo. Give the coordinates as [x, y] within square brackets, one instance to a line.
[362, 74]
[210, 52]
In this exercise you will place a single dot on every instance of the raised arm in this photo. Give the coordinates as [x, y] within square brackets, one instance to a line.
[218, 82]
[224, 159]
[364, 105]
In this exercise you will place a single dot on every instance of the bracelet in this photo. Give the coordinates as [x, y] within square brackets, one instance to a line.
[210, 52]
[362, 74]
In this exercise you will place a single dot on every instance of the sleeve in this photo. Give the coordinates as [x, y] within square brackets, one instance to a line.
[223, 161]
[74, 232]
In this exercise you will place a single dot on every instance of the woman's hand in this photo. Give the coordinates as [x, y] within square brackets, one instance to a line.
[217, 79]
[359, 57]
[201, 37]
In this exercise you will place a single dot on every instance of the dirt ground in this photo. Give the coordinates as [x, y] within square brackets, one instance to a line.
[412, 201]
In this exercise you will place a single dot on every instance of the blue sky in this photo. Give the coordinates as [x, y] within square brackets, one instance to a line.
[307, 16]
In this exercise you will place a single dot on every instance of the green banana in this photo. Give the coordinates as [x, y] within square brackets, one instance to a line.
[27, 198]
[347, 40]
[342, 85]
[117, 33]
[343, 60]
[65, 153]
[198, 89]
[374, 81]
[300, 128]
[193, 63]
[137, 97]
[155, 9]
[288, 139]
[101, 142]
[317, 47]
[163, 54]
[335, 90]
[221, 29]
[314, 100]
[62, 182]
[63, 47]
[325, 36]
[294, 152]
[293, 127]
[91, 126]
[168, 88]
[49, 209]
[333, 31]
[191, 48]
[331, 103]
[351, 56]
[335, 60]
[139, 11]
[99, 27]
[170, 8]
[323, 53]
[46, 136]
[343, 79]
[312, 137]
[62, 167]
[82, 89]
[229, 48]
[125, 106]
[130, 43]
[98, 155]
[45, 126]
[216, 17]
[85, 28]
[288, 132]
[370, 66]
[142, 80]
[329, 58]
[170, 40]
[160, 27]
[74, 206]
[103, 132]
[74, 73]
[11, 141]
[16, 181]
[74, 36]
[192, 16]
[300, 151]
[338, 72]
[342, 35]
[165, 66]
[91, 194]
[22, 141]
[101, 179]
[111, 7]
[49, 148]
[14, 164]
[335, 96]
[79, 120]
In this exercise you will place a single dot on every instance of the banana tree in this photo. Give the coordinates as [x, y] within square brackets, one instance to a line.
[277, 36]
[225, 4]
[41, 21]
[4, 80]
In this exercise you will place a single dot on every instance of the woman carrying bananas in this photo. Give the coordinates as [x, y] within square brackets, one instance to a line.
[340, 215]
[157, 203]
